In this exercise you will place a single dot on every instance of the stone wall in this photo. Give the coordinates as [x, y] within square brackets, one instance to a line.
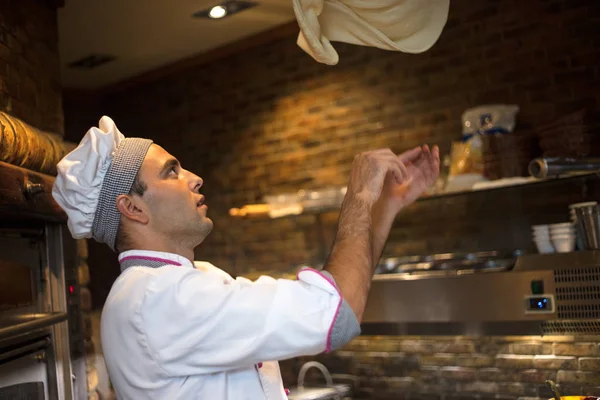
[386, 368]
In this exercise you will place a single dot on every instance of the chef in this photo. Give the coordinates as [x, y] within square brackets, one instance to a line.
[174, 328]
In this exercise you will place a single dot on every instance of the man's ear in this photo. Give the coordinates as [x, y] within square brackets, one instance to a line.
[129, 209]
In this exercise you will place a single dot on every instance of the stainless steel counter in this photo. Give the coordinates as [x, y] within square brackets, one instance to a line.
[542, 294]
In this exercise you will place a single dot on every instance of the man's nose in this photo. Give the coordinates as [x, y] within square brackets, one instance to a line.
[195, 183]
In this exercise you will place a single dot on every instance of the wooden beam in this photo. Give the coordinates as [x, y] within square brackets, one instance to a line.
[282, 31]
[27, 194]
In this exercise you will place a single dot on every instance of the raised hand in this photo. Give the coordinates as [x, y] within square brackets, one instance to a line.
[423, 167]
[369, 172]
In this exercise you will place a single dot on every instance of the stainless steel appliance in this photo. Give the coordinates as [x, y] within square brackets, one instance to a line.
[38, 357]
[487, 294]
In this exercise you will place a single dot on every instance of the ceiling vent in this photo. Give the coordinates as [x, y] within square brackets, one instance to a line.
[92, 61]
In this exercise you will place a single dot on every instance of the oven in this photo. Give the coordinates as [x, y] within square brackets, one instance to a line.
[41, 356]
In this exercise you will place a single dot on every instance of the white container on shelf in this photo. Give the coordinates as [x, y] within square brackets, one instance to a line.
[326, 198]
[283, 204]
[564, 243]
[541, 238]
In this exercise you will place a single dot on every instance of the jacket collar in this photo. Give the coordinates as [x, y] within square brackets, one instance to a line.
[152, 259]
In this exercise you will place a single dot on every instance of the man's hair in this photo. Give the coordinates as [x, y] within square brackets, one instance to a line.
[122, 242]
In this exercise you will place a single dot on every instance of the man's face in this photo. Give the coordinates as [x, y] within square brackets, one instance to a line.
[173, 201]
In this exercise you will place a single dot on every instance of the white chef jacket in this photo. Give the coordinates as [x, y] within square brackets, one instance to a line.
[176, 330]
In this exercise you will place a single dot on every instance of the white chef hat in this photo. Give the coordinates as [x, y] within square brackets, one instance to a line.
[410, 26]
[91, 177]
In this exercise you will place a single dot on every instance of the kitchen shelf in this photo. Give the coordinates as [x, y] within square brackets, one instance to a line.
[533, 182]
[446, 195]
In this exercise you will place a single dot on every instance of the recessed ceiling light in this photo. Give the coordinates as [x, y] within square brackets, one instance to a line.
[225, 9]
[217, 12]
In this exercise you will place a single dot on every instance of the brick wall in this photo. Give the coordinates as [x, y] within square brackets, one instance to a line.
[271, 120]
[386, 368]
[30, 89]
[30, 86]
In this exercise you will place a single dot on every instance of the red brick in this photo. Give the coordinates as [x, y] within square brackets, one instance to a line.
[85, 297]
[536, 376]
[475, 360]
[555, 362]
[589, 364]
[512, 361]
[25, 63]
[461, 346]
[578, 377]
[479, 387]
[576, 349]
[458, 373]
[531, 348]
[418, 346]
[513, 389]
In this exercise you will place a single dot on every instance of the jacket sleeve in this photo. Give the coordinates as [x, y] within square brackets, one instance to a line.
[197, 323]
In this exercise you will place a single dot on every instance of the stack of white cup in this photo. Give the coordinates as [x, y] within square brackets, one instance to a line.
[541, 237]
[554, 237]
[562, 237]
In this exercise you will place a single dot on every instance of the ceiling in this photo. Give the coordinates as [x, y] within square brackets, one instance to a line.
[147, 34]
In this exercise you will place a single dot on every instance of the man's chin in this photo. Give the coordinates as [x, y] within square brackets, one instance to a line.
[210, 225]
[205, 228]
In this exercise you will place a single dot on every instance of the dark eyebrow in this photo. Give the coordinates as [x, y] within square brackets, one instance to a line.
[170, 163]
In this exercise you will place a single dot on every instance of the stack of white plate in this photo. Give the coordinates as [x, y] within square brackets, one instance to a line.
[541, 237]
[563, 237]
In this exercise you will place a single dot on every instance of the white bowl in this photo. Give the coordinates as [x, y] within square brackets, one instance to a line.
[564, 244]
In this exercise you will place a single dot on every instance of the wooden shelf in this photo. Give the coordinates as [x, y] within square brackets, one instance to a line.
[445, 195]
